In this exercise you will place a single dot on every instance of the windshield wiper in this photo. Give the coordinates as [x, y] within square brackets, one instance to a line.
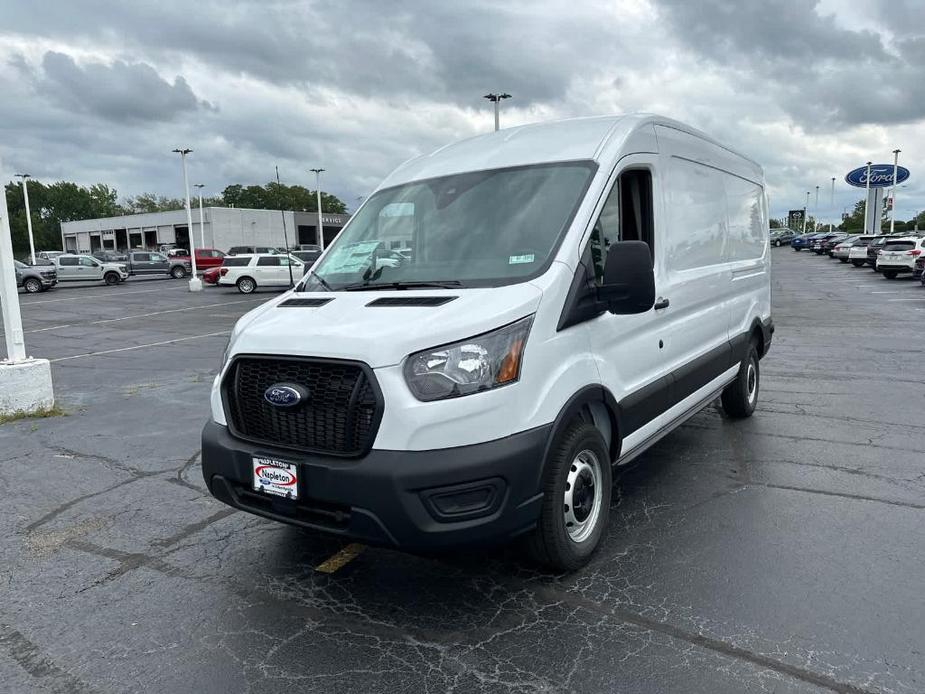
[401, 284]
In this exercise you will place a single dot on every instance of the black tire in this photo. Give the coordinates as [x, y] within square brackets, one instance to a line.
[112, 278]
[32, 285]
[246, 285]
[797, 249]
[858, 263]
[777, 243]
[741, 396]
[178, 272]
[890, 274]
[844, 260]
[577, 453]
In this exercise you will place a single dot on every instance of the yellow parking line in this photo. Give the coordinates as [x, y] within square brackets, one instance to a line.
[340, 559]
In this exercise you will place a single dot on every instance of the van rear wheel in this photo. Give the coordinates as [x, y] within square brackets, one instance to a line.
[577, 485]
[741, 396]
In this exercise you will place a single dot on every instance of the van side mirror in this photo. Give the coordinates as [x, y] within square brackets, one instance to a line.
[629, 281]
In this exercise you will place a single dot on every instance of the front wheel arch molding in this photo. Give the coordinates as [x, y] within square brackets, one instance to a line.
[590, 399]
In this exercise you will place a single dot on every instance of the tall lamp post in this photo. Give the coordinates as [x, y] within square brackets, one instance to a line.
[832, 205]
[496, 99]
[892, 191]
[202, 226]
[195, 284]
[816, 210]
[318, 197]
[25, 194]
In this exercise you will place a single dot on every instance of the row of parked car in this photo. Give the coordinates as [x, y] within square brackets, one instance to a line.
[891, 255]
[113, 267]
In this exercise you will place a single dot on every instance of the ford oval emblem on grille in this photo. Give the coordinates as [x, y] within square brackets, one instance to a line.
[285, 395]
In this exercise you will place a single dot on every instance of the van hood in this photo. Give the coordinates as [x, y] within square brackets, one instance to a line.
[347, 327]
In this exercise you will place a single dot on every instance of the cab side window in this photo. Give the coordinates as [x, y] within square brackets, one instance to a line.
[88, 262]
[626, 216]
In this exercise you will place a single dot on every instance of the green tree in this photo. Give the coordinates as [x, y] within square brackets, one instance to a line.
[279, 196]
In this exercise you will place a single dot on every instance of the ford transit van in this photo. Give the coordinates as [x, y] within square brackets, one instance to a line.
[572, 292]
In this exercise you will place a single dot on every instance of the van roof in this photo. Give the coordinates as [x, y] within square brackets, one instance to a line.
[571, 139]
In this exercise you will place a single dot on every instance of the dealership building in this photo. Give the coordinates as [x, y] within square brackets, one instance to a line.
[223, 227]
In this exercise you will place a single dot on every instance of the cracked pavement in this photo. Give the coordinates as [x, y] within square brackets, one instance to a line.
[784, 553]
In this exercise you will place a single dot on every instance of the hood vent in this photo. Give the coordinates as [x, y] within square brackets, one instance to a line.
[411, 301]
[305, 302]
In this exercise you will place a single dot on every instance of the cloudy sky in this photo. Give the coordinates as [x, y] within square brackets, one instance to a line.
[102, 91]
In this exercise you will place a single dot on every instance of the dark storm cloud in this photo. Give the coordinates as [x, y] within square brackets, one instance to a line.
[413, 48]
[118, 92]
[823, 75]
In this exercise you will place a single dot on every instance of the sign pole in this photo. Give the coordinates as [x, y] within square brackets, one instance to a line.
[893, 190]
[832, 205]
[867, 201]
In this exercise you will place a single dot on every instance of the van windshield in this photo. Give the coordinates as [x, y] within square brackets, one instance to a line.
[485, 228]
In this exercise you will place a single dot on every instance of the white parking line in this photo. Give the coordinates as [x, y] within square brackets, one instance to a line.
[885, 292]
[93, 296]
[919, 298]
[143, 315]
[150, 344]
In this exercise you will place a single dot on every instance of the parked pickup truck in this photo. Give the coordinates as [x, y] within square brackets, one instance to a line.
[35, 278]
[86, 268]
[151, 263]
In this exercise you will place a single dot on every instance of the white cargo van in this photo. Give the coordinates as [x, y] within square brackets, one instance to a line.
[573, 291]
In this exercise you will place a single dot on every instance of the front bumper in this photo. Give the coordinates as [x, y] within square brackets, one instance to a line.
[413, 500]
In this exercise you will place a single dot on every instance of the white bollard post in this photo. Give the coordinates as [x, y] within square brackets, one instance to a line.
[25, 383]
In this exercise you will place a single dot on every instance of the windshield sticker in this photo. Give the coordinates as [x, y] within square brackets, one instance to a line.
[350, 258]
[518, 259]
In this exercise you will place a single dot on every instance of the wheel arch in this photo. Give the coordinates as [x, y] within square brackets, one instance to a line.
[593, 403]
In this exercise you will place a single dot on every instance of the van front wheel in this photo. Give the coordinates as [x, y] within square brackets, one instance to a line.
[577, 482]
[741, 396]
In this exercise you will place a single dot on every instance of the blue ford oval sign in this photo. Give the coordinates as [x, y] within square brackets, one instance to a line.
[881, 176]
[283, 395]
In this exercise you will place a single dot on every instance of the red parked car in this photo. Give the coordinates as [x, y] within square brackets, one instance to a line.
[211, 275]
[205, 257]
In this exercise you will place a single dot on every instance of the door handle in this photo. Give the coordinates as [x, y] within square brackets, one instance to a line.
[661, 303]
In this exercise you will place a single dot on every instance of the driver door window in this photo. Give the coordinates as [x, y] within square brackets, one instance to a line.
[626, 216]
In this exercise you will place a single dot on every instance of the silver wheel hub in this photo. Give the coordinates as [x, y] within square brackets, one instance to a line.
[583, 494]
[751, 382]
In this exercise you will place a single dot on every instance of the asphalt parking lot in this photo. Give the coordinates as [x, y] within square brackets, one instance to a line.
[784, 553]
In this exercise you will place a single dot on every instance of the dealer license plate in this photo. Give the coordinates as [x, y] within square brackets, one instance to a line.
[276, 477]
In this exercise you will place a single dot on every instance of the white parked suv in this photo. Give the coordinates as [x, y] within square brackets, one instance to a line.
[898, 256]
[248, 272]
[575, 291]
[86, 268]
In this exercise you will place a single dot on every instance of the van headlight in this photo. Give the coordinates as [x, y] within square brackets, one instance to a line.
[470, 366]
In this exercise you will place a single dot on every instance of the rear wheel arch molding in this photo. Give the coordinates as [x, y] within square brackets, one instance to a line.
[593, 402]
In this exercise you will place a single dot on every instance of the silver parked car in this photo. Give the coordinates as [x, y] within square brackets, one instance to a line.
[35, 278]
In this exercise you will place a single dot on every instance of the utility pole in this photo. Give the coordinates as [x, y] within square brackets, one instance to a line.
[892, 190]
[195, 284]
[202, 226]
[25, 194]
[318, 195]
[496, 99]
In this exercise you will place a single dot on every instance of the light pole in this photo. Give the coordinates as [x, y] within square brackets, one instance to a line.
[816, 210]
[318, 196]
[832, 205]
[892, 191]
[496, 99]
[202, 226]
[867, 200]
[195, 284]
[25, 194]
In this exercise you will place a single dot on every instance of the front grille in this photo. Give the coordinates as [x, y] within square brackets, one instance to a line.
[339, 417]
